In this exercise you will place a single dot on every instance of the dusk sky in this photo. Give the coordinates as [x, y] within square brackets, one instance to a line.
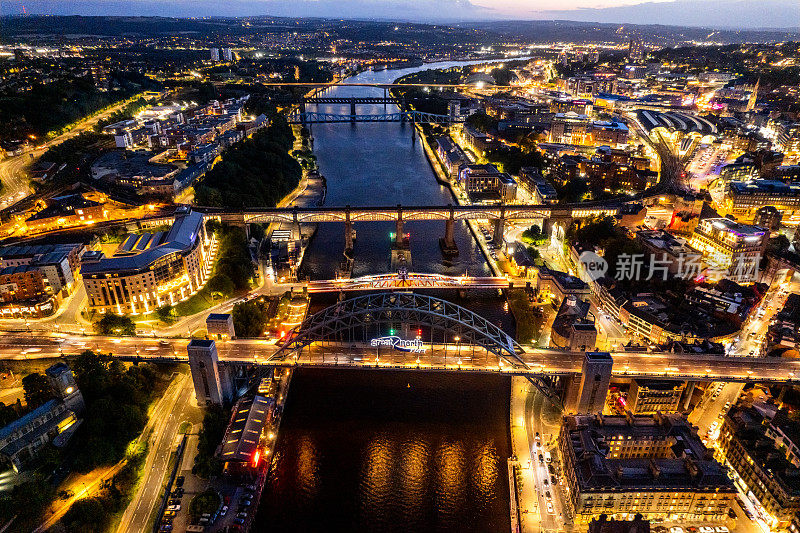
[710, 13]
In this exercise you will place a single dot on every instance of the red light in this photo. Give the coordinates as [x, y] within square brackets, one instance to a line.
[256, 457]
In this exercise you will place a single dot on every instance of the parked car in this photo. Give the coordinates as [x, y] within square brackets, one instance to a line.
[179, 481]
[224, 510]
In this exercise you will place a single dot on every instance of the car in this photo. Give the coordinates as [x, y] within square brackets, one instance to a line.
[165, 527]
[706, 529]
[241, 515]
[545, 482]
[548, 495]
[245, 503]
[167, 520]
[676, 529]
[177, 493]
[541, 458]
[239, 521]
[550, 508]
[204, 521]
[174, 502]
[168, 513]
[224, 510]
[174, 507]
[722, 529]
[179, 481]
[727, 405]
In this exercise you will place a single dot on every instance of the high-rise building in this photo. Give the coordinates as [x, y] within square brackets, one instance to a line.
[227, 54]
[735, 249]
[215, 54]
[211, 385]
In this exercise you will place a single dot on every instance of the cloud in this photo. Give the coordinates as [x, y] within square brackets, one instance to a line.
[706, 13]
[406, 10]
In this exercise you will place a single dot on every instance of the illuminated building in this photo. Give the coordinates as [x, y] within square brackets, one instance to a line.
[734, 248]
[570, 128]
[743, 199]
[212, 383]
[241, 450]
[768, 475]
[150, 270]
[652, 465]
[54, 421]
[647, 397]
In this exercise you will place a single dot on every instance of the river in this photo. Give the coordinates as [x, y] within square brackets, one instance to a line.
[382, 451]
[369, 164]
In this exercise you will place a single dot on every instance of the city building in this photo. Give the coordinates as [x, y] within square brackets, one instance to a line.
[54, 421]
[451, 155]
[485, 184]
[212, 382]
[573, 327]
[744, 199]
[220, 325]
[655, 466]
[733, 248]
[602, 524]
[240, 445]
[67, 210]
[648, 396]
[150, 270]
[532, 181]
[771, 478]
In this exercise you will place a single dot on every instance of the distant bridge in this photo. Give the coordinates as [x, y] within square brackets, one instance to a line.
[412, 280]
[312, 117]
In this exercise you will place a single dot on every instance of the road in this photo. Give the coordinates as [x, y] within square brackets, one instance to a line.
[542, 509]
[710, 409]
[16, 184]
[663, 365]
[179, 406]
[163, 406]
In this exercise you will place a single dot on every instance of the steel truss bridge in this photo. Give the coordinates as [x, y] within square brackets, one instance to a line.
[313, 117]
[412, 280]
[381, 315]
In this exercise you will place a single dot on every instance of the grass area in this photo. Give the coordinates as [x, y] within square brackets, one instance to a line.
[523, 314]
[205, 502]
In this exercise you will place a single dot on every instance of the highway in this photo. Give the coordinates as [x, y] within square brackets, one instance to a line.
[169, 414]
[663, 365]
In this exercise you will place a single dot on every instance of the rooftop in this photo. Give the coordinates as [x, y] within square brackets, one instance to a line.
[181, 238]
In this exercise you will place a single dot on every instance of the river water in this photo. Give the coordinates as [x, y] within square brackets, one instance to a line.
[382, 451]
[377, 164]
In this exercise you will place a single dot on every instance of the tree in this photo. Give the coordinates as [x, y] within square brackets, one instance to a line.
[481, 122]
[37, 389]
[166, 313]
[112, 324]
[250, 318]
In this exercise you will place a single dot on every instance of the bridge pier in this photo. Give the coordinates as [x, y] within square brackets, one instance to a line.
[353, 111]
[348, 233]
[399, 233]
[499, 229]
[448, 243]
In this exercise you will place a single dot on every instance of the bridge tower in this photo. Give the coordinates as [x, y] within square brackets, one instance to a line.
[499, 227]
[448, 243]
[353, 110]
[212, 383]
[586, 393]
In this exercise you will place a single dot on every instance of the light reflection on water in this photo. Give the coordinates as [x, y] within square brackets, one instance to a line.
[390, 451]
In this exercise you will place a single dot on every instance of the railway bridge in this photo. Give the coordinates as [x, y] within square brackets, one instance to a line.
[498, 215]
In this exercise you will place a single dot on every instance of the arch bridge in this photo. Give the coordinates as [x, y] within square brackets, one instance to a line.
[390, 319]
[411, 280]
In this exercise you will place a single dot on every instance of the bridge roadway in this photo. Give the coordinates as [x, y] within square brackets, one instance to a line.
[312, 215]
[411, 280]
[662, 365]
